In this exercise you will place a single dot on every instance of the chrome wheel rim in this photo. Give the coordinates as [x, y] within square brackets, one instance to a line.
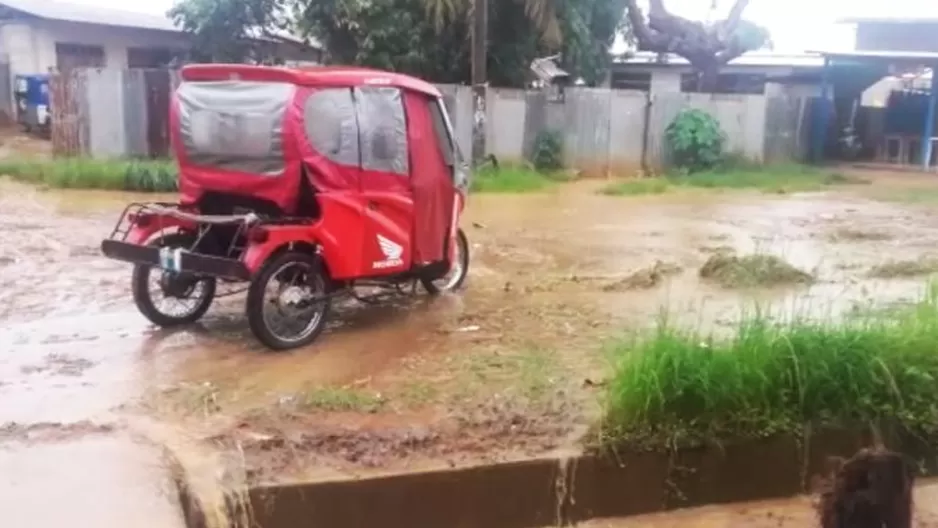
[290, 311]
[449, 281]
[175, 306]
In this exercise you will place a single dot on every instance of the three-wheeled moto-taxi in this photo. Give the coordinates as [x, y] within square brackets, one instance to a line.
[306, 184]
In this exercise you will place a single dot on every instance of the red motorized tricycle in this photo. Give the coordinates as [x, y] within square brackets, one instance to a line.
[305, 184]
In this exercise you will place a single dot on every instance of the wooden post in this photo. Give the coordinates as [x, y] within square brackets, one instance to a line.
[929, 128]
[480, 26]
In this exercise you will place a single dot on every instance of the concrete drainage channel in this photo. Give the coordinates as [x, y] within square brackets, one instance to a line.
[545, 492]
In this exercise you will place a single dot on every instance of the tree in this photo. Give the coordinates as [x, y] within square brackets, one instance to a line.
[401, 35]
[706, 46]
[425, 38]
[581, 30]
[232, 30]
[387, 34]
[542, 13]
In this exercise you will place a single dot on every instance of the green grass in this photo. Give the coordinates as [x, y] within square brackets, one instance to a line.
[678, 387]
[769, 178]
[85, 173]
[341, 399]
[511, 179]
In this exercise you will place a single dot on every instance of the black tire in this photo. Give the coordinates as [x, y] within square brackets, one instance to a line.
[256, 300]
[140, 285]
[463, 246]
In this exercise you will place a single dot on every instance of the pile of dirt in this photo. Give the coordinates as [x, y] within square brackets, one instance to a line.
[645, 278]
[750, 271]
[280, 444]
[59, 365]
[857, 235]
[905, 268]
[50, 431]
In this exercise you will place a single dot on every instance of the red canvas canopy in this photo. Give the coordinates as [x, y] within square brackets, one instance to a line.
[366, 142]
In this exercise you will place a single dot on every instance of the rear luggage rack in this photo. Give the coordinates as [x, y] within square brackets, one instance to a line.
[202, 224]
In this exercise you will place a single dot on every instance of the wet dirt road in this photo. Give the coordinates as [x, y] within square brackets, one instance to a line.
[67, 361]
[78, 360]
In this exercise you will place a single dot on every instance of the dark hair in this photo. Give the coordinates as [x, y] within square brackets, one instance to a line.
[873, 489]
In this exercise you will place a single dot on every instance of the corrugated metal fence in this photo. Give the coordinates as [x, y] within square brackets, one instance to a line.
[6, 90]
[604, 131]
[120, 113]
[112, 113]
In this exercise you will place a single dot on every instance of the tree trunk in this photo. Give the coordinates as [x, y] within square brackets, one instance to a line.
[708, 74]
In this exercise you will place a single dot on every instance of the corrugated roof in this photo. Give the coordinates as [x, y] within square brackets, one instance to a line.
[749, 59]
[55, 10]
[927, 56]
[888, 20]
[69, 12]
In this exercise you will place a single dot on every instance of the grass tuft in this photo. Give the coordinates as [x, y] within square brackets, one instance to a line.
[637, 187]
[677, 387]
[750, 271]
[341, 399]
[768, 178]
[86, 173]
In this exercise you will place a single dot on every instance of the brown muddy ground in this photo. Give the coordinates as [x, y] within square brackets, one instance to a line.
[788, 513]
[509, 368]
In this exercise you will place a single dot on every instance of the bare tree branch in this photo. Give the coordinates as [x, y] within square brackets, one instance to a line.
[706, 47]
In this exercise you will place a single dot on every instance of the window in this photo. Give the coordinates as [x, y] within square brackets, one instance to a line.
[234, 125]
[331, 125]
[728, 83]
[71, 56]
[443, 138]
[365, 127]
[150, 57]
[630, 80]
[382, 129]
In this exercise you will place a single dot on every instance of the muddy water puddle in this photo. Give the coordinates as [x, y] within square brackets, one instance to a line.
[507, 366]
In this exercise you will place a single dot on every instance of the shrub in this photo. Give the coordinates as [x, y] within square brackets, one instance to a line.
[548, 151]
[695, 140]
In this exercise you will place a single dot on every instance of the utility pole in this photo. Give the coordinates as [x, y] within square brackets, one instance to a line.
[480, 24]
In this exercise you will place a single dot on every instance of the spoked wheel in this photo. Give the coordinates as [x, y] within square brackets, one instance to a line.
[171, 299]
[456, 276]
[288, 301]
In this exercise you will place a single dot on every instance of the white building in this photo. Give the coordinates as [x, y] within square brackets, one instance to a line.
[755, 72]
[39, 35]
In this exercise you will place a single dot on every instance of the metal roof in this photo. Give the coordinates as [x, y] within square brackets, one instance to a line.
[888, 20]
[69, 12]
[55, 10]
[797, 60]
[905, 56]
